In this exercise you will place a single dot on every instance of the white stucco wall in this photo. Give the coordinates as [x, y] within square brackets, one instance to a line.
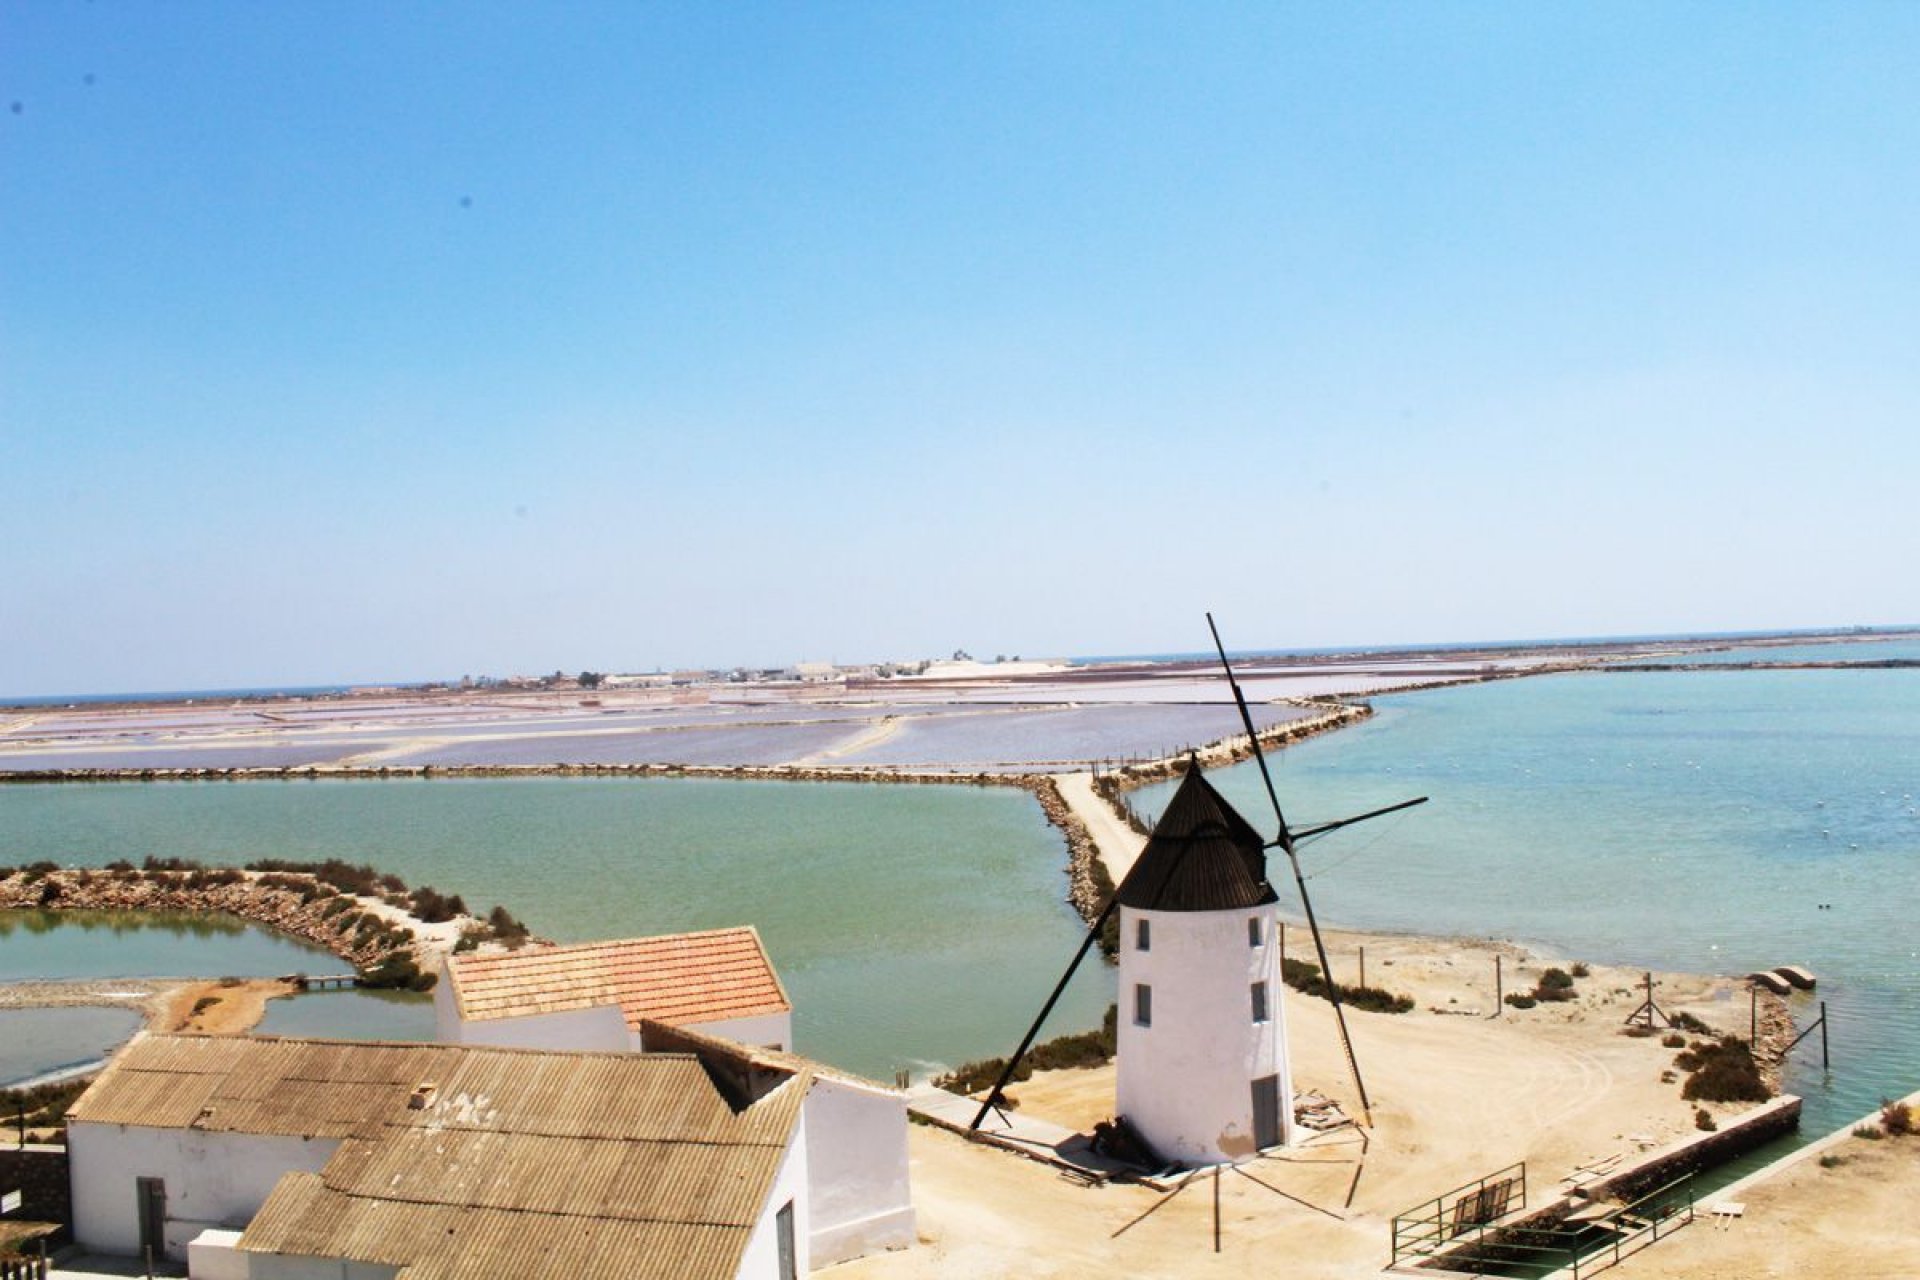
[761, 1261]
[212, 1179]
[211, 1256]
[603, 1030]
[857, 1171]
[1186, 1081]
[767, 1031]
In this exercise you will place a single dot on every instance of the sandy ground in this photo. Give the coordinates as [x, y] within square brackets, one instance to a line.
[1455, 1096]
[1842, 1209]
[231, 1006]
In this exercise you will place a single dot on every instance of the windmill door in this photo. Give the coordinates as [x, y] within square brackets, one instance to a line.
[1266, 1112]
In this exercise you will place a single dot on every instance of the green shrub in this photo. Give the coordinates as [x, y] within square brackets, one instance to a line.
[1305, 978]
[1080, 1049]
[1725, 1073]
[1703, 1120]
[1896, 1118]
[1580, 971]
[1684, 1021]
[1520, 1000]
[1674, 1040]
[1869, 1132]
[398, 972]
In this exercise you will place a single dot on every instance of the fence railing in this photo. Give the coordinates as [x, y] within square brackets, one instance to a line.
[1586, 1243]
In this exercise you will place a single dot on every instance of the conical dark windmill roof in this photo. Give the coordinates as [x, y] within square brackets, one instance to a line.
[1202, 856]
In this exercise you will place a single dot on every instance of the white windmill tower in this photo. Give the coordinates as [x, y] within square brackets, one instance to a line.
[1202, 1046]
[1202, 1050]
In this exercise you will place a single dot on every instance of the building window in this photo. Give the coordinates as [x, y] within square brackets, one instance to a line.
[1142, 935]
[1259, 1002]
[1253, 931]
[1142, 1005]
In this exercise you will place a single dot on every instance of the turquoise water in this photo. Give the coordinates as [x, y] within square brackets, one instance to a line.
[1901, 648]
[39, 945]
[35, 1041]
[351, 1015]
[912, 925]
[1690, 821]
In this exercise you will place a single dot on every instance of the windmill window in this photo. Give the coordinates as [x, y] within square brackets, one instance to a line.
[1142, 935]
[1142, 1005]
[1253, 931]
[1259, 1002]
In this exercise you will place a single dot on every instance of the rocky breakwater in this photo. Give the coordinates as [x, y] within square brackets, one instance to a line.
[1088, 884]
[1328, 716]
[377, 932]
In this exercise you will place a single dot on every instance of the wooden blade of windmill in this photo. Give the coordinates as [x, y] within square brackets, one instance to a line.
[1285, 842]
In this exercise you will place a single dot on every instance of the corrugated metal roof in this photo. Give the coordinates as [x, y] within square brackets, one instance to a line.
[304, 1217]
[1202, 856]
[574, 1163]
[681, 977]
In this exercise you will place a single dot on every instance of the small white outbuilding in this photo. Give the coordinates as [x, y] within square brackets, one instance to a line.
[596, 995]
[1202, 1069]
[364, 1161]
[715, 993]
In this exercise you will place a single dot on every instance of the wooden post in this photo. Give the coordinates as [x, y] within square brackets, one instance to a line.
[1363, 966]
[1216, 1208]
[1499, 985]
[1824, 1064]
[1753, 1015]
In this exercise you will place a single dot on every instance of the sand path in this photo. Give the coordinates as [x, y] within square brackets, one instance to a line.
[1455, 1096]
[1118, 844]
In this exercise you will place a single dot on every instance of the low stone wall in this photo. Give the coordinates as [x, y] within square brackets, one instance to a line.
[40, 1175]
[1701, 1151]
[1689, 1155]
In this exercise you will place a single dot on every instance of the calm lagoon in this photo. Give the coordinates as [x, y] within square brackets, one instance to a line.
[1685, 821]
[912, 925]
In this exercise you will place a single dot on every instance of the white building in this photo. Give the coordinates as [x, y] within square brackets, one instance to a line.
[860, 1195]
[1202, 1070]
[714, 993]
[597, 995]
[299, 1159]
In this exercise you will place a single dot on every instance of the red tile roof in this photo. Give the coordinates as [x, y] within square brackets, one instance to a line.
[676, 978]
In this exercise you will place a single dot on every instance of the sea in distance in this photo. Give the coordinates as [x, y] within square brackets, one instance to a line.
[1714, 822]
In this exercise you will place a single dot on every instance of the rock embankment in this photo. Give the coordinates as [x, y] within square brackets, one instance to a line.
[1226, 751]
[366, 932]
[1088, 884]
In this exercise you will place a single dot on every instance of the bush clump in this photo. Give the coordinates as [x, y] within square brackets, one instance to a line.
[434, 907]
[398, 972]
[1703, 1120]
[1081, 1049]
[1723, 1071]
[1305, 978]
[1521, 1000]
[505, 928]
[1896, 1118]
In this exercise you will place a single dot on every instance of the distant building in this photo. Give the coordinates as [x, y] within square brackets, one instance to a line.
[597, 995]
[294, 1159]
[1201, 1059]
[647, 680]
[817, 673]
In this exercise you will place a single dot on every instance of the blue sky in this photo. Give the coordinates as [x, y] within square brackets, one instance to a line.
[357, 342]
